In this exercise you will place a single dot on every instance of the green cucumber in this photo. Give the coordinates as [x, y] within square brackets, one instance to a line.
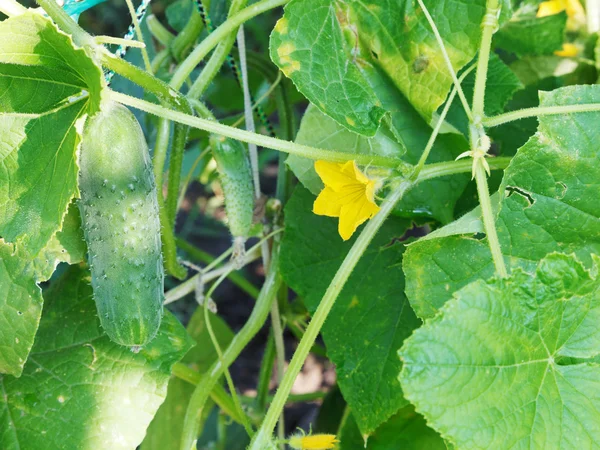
[121, 226]
[235, 174]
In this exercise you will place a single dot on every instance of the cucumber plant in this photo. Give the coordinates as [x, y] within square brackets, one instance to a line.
[435, 217]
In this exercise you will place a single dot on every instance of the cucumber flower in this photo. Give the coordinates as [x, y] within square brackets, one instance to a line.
[572, 7]
[348, 194]
[313, 442]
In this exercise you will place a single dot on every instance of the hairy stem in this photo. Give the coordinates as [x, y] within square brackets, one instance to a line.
[241, 135]
[213, 39]
[263, 436]
[489, 26]
[443, 169]
[140, 35]
[210, 379]
[539, 111]
[489, 220]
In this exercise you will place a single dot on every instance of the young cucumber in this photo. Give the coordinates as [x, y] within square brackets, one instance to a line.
[119, 211]
[235, 174]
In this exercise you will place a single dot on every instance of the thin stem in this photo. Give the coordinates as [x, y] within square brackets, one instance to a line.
[66, 23]
[298, 332]
[440, 122]
[213, 39]
[140, 35]
[489, 221]
[159, 31]
[119, 41]
[215, 342]
[219, 56]
[203, 154]
[539, 111]
[223, 400]
[264, 377]
[440, 42]
[160, 59]
[255, 322]
[263, 436]
[188, 36]
[244, 136]
[180, 136]
[442, 169]
[489, 25]
[11, 8]
[236, 278]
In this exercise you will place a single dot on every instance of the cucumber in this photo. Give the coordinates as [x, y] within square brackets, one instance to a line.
[119, 212]
[235, 175]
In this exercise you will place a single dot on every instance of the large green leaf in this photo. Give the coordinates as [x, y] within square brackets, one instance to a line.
[405, 430]
[548, 193]
[328, 48]
[165, 430]
[79, 390]
[46, 85]
[508, 363]
[21, 298]
[371, 316]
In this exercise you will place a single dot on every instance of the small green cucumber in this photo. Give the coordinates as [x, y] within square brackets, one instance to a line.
[235, 174]
[119, 211]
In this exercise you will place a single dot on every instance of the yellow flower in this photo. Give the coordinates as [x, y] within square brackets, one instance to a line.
[348, 194]
[573, 8]
[567, 51]
[313, 442]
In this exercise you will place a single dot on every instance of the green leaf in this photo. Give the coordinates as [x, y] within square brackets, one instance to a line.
[532, 35]
[548, 203]
[495, 368]
[405, 430]
[20, 309]
[20, 296]
[79, 389]
[371, 317]
[46, 85]
[329, 50]
[164, 433]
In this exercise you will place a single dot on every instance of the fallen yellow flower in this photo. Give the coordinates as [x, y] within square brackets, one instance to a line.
[313, 442]
[348, 194]
[572, 7]
[567, 51]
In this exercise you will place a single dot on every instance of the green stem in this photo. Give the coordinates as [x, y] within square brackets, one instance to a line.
[160, 59]
[299, 333]
[218, 394]
[220, 33]
[263, 436]
[443, 169]
[11, 8]
[440, 42]
[264, 377]
[180, 136]
[254, 324]
[258, 139]
[66, 23]
[489, 26]
[438, 125]
[159, 31]
[218, 57]
[489, 220]
[184, 41]
[539, 111]
[235, 277]
[119, 41]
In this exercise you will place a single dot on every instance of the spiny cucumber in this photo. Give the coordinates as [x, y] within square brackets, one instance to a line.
[121, 225]
[235, 174]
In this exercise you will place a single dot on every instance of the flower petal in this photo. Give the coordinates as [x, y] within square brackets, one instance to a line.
[550, 8]
[334, 175]
[327, 203]
[354, 214]
[567, 51]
